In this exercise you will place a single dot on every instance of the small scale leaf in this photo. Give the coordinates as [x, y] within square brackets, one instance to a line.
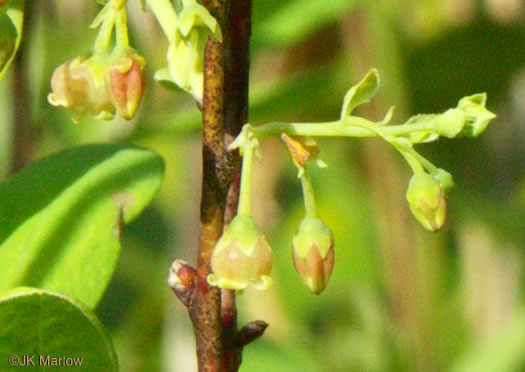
[10, 33]
[50, 332]
[300, 154]
[361, 93]
[60, 217]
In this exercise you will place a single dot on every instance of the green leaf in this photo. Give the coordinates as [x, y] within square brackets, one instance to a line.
[10, 33]
[52, 332]
[360, 93]
[60, 217]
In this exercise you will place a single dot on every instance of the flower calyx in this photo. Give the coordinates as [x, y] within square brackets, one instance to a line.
[426, 197]
[126, 81]
[313, 253]
[242, 257]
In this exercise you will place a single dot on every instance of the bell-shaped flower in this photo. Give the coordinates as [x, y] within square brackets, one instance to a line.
[427, 202]
[80, 85]
[241, 257]
[313, 253]
[126, 81]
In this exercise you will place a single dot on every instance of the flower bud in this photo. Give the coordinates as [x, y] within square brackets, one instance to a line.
[126, 82]
[79, 85]
[426, 198]
[8, 36]
[450, 123]
[477, 116]
[313, 253]
[241, 257]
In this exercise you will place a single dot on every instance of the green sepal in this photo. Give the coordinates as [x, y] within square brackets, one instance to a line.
[445, 180]
[195, 15]
[313, 232]
[245, 230]
[361, 93]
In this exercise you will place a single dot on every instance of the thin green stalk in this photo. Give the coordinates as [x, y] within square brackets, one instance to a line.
[309, 197]
[350, 126]
[244, 208]
[426, 164]
[122, 28]
[406, 151]
[103, 41]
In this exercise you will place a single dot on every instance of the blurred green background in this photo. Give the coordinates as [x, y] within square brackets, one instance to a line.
[400, 298]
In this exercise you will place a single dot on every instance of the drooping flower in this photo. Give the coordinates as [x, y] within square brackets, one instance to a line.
[80, 85]
[427, 201]
[126, 82]
[313, 253]
[241, 257]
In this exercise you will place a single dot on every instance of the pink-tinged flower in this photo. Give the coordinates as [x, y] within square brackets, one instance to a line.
[79, 85]
[126, 83]
[241, 257]
[313, 254]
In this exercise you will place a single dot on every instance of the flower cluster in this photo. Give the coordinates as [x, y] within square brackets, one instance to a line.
[106, 81]
[100, 84]
[112, 81]
[313, 244]
[187, 34]
[242, 255]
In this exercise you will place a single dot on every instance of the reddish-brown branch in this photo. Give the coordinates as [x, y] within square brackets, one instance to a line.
[224, 112]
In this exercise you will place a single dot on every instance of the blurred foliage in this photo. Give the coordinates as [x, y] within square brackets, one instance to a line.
[400, 299]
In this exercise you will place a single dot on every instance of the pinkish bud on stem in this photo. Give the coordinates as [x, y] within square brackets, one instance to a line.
[126, 83]
[313, 253]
